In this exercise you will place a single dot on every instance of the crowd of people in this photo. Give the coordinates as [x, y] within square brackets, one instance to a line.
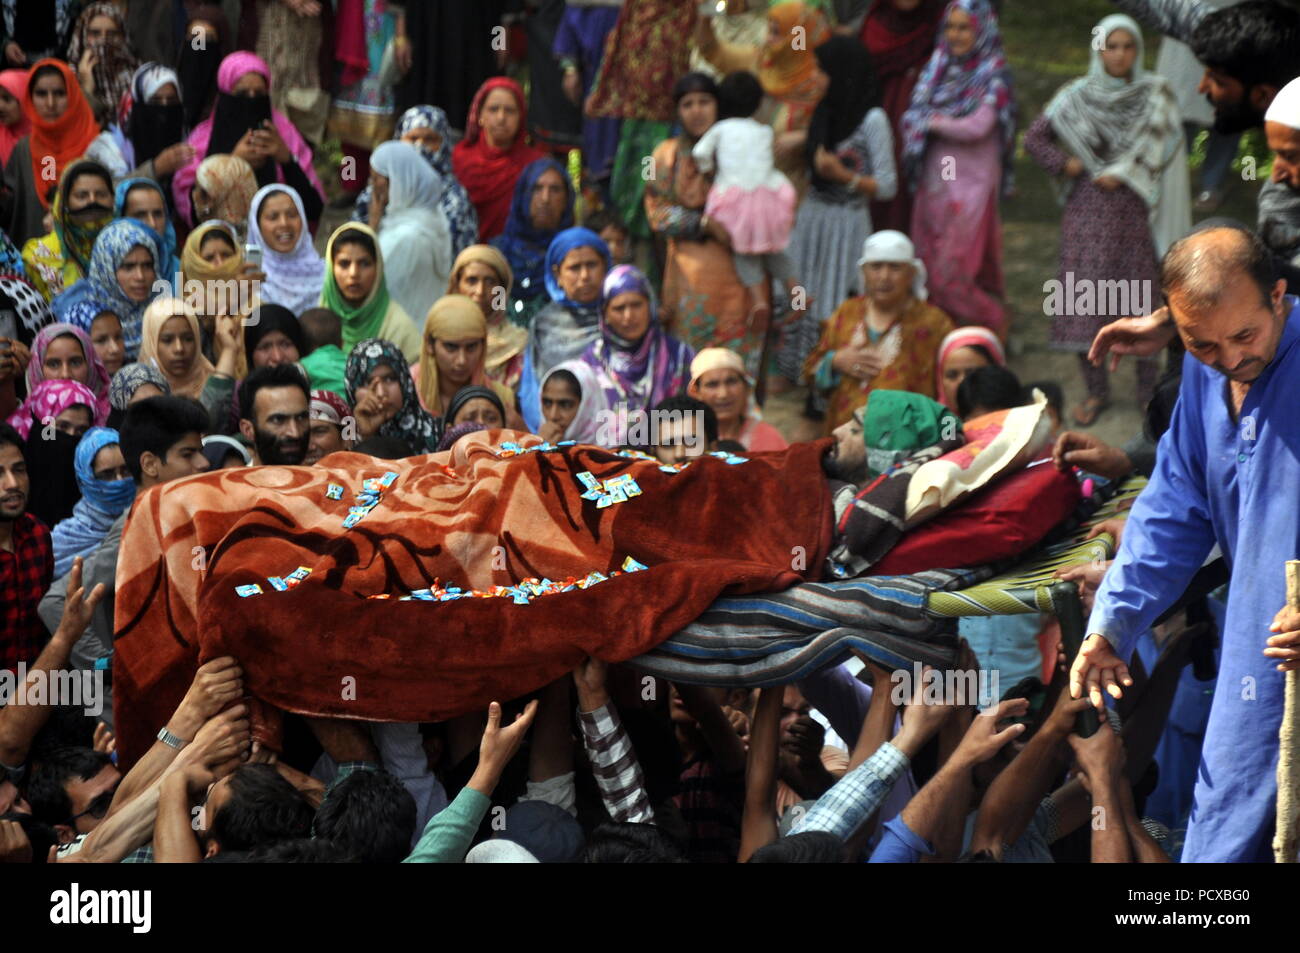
[665, 210]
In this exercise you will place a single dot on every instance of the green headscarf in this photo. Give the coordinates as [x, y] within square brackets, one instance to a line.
[365, 320]
[897, 423]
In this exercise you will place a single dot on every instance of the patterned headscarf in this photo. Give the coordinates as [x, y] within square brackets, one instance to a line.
[329, 407]
[412, 423]
[102, 502]
[454, 201]
[170, 265]
[231, 184]
[150, 127]
[77, 238]
[130, 379]
[293, 278]
[115, 60]
[11, 259]
[955, 87]
[51, 398]
[33, 313]
[523, 245]
[111, 248]
[97, 379]
[639, 373]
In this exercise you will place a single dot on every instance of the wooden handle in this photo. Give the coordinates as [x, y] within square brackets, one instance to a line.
[1293, 583]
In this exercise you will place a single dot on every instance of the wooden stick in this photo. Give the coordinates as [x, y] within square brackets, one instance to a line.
[1288, 757]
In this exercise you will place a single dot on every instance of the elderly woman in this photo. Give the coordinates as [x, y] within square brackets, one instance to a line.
[482, 274]
[718, 378]
[576, 265]
[885, 339]
[636, 362]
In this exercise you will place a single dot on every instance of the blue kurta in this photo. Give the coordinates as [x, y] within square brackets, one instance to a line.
[1238, 485]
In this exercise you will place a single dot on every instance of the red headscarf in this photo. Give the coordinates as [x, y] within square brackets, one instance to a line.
[489, 173]
[63, 139]
[15, 83]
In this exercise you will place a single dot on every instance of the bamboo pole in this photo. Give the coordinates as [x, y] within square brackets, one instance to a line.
[1288, 756]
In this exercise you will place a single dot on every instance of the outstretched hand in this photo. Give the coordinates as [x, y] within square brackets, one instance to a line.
[1096, 669]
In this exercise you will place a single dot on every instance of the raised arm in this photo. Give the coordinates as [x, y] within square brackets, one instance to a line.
[1175, 18]
[613, 759]
[19, 724]
[1100, 758]
[759, 826]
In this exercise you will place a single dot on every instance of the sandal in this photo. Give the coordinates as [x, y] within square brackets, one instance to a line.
[1086, 414]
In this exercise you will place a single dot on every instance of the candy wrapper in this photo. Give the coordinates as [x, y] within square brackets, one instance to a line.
[252, 589]
[334, 492]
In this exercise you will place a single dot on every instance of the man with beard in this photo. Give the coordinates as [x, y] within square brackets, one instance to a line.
[329, 418]
[1249, 51]
[1225, 474]
[26, 558]
[274, 415]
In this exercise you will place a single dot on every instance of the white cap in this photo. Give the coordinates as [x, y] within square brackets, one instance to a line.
[890, 245]
[1285, 108]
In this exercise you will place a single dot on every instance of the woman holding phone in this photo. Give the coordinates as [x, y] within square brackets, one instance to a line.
[243, 124]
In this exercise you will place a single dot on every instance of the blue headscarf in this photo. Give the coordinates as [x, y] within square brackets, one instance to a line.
[562, 330]
[111, 247]
[563, 243]
[170, 265]
[84, 312]
[102, 502]
[526, 247]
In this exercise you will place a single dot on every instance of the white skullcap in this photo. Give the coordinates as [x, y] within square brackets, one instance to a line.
[890, 245]
[1285, 108]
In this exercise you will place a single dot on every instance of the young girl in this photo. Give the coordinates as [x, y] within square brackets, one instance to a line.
[753, 201]
[105, 330]
[571, 403]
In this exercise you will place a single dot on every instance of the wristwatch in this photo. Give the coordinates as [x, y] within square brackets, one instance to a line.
[169, 739]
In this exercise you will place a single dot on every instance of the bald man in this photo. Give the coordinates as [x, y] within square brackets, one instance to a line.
[1228, 473]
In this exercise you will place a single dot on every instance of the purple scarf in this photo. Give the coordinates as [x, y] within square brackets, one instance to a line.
[640, 373]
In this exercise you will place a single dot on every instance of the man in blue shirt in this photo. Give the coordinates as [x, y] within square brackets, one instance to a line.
[1227, 473]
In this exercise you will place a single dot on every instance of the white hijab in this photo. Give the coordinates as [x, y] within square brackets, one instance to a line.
[293, 278]
[413, 234]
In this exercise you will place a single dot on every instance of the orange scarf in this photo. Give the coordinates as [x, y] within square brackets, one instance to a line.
[788, 62]
[63, 139]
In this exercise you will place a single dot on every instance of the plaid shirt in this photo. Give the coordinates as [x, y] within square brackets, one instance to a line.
[856, 796]
[25, 574]
[613, 762]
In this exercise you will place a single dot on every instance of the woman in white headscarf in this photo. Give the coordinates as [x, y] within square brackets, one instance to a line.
[1115, 139]
[277, 223]
[413, 233]
[886, 339]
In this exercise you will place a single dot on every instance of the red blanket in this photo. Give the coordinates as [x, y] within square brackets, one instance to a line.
[325, 648]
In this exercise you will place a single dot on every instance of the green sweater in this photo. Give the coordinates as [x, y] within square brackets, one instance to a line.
[325, 368]
[449, 833]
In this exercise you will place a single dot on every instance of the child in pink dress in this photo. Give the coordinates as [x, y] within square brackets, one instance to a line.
[749, 197]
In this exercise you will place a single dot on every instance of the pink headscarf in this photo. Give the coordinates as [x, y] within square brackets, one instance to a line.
[233, 67]
[98, 381]
[51, 398]
[15, 83]
[972, 336]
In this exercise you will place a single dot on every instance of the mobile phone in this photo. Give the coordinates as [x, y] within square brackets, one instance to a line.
[253, 255]
[8, 324]
[713, 8]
